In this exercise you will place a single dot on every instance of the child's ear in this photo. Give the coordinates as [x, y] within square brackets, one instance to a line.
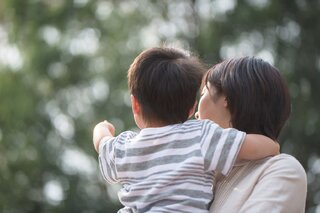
[135, 105]
[193, 109]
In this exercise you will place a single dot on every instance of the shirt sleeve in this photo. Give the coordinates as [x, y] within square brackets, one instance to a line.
[281, 188]
[109, 147]
[220, 147]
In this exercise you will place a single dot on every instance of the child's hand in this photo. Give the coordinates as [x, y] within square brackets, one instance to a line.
[101, 130]
[257, 147]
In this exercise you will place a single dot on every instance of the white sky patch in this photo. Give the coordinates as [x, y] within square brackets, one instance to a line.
[127, 7]
[266, 55]
[249, 44]
[149, 36]
[74, 102]
[99, 64]
[126, 98]
[315, 167]
[289, 32]
[168, 29]
[64, 125]
[78, 105]
[103, 10]
[52, 108]
[223, 6]
[53, 192]
[99, 89]
[214, 9]
[74, 161]
[204, 9]
[86, 42]
[10, 55]
[243, 48]
[50, 34]
[179, 9]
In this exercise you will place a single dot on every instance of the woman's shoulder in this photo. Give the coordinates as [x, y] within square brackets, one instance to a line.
[260, 181]
[284, 161]
[279, 165]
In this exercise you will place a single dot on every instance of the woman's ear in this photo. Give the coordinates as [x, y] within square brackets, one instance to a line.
[135, 105]
[225, 102]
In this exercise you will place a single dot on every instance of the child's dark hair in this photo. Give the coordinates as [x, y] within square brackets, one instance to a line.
[165, 82]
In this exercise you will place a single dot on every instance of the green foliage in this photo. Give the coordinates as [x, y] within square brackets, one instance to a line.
[71, 73]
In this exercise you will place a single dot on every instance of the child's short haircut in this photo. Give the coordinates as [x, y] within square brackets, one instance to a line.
[165, 82]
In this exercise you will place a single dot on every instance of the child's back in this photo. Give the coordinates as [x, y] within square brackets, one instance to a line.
[170, 168]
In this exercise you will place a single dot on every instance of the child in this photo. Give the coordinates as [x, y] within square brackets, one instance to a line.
[169, 165]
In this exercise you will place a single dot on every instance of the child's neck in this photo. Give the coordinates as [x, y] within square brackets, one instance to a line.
[154, 124]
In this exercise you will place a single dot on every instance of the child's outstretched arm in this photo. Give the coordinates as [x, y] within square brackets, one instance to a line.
[256, 146]
[101, 130]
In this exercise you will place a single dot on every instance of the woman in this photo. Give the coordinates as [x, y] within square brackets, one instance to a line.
[250, 95]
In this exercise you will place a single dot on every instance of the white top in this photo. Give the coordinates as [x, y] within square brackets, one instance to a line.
[169, 169]
[276, 184]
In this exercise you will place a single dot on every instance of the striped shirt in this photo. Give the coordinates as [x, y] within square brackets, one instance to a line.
[169, 169]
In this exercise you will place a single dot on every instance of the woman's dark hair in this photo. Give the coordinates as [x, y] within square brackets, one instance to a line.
[165, 82]
[257, 95]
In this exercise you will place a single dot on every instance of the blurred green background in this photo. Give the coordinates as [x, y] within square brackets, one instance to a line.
[63, 67]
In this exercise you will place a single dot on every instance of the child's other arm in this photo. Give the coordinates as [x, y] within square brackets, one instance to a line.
[256, 146]
[102, 130]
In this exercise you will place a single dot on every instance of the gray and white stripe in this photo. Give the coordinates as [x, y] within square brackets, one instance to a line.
[169, 168]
